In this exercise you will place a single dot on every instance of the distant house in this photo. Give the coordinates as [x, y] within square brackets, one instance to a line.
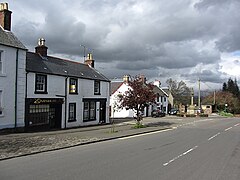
[161, 98]
[12, 74]
[62, 93]
[170, 98]
[119, 87]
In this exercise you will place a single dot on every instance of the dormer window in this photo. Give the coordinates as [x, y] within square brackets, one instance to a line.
[97, 87]
[73, 86]
[41, 84]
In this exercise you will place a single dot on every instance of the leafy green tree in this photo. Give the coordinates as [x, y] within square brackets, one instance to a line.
[180, 91]
[138, 96]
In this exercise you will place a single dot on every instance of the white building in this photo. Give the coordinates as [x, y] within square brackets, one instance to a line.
[12, 74]
[62, 93]
[117, 88]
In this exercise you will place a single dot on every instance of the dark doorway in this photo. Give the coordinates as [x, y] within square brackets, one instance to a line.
[55, 116]
[102, 115]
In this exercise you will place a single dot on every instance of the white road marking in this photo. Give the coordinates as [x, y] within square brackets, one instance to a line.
[236, 124]
[177, 157]
[139, 135]
[213, 136]
[228, 128]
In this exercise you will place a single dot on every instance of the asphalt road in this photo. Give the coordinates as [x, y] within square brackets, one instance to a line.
[205, 150]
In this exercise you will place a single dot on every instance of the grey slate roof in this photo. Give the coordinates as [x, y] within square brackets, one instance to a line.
[115, 86]
[62, 67]
[160, 91]
[9, 39]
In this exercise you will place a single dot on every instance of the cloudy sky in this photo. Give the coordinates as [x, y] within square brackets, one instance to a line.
[178, 39]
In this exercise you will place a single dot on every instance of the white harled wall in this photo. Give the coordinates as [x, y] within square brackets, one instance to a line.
[7, 86]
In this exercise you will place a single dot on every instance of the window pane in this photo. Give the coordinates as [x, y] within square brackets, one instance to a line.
[96, 87]
[40, 83]
[86, 111]
[73, 85]
[72, 113]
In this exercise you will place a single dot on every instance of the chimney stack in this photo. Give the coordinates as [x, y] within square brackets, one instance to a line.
[5, 16]
[126, 78]
[41, 48]
[89, 61]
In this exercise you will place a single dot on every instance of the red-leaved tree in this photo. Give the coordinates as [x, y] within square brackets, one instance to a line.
[139, 94]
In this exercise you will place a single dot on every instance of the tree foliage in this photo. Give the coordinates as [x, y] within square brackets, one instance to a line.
[232, 87]
[224, 101]
[180, 91]
[139, 94]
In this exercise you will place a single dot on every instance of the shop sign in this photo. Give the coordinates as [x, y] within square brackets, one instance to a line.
[47, 101]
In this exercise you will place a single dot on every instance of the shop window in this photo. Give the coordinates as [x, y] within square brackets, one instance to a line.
[73, 86]
[97, 87]
[89, 112]
[72, 112]
[41, 84]
[1, 107]
[39, 114]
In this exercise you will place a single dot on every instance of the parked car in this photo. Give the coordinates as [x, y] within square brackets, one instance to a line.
[157, 113]
[173, 112]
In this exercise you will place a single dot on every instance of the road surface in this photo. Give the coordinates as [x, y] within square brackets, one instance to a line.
[208, 149]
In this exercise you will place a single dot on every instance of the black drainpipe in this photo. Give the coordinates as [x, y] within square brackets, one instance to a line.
[16, 90]
[65, 120]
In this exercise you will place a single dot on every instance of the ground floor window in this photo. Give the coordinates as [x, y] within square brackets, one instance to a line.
[72, 112]
[39, 114]
[89, 112]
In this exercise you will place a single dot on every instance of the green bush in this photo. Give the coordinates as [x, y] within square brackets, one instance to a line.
[225, 114]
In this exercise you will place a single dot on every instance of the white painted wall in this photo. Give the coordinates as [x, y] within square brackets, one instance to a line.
[116, 112]
[7, 86]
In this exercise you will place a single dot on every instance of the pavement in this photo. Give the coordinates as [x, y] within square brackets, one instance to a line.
[22, 144]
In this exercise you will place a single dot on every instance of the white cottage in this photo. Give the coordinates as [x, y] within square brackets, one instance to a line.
[62, 93]
[12, 74]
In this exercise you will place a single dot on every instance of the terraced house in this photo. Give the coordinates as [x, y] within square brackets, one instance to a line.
[62, 93]
[38, 91]
[12, 74]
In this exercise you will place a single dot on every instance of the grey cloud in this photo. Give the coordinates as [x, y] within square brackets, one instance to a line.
[138, 36]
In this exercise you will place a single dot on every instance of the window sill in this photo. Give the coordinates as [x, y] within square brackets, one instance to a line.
[97, 93]
[74, 120]
[3, 75]
[37, 92]
[73, 93]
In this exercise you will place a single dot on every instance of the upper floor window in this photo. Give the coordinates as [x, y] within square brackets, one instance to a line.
[73, 86]
[1, 108]
[1, 62]
[41, 83]
[97, 87]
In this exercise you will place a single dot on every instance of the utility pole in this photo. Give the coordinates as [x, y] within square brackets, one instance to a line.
[199, 94]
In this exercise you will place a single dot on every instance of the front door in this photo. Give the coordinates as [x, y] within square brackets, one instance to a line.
[55, 116]
[102, 115]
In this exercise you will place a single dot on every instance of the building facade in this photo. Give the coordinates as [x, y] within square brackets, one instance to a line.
[12, 74]
[62, 93]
